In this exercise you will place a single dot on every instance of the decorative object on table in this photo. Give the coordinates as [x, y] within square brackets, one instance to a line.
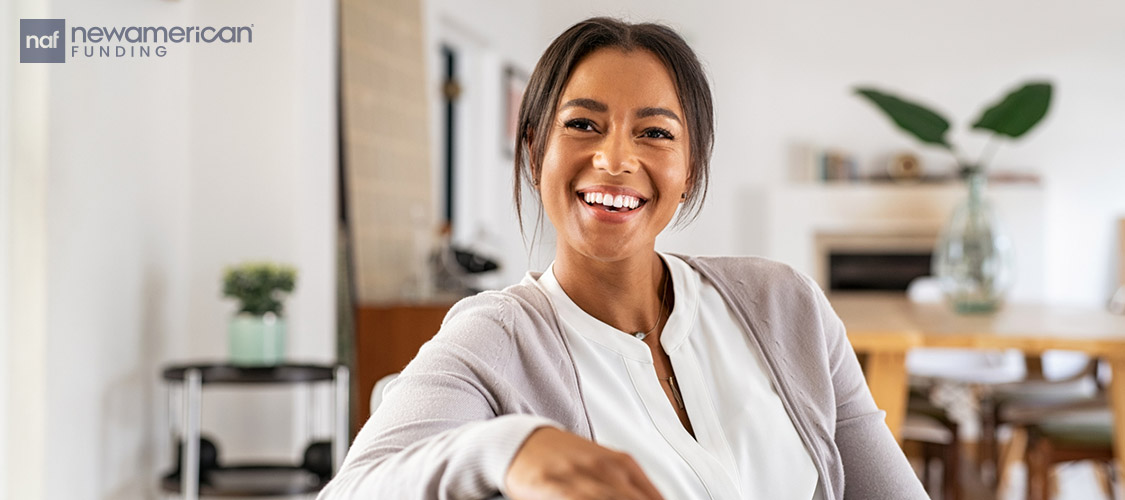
[973, 258]
[811, 163]
[837, 165]
[457, 269]
[256, 334]
[905, 168]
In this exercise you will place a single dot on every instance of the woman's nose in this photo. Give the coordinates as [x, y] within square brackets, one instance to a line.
[615, 155]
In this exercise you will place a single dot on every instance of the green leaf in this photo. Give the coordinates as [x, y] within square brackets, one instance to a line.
[1018, 112]
[920, 121]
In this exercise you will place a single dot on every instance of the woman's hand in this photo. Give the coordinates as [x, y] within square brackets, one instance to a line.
[554, 464]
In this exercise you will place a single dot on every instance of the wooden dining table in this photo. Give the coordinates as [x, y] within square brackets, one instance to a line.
[885, 326]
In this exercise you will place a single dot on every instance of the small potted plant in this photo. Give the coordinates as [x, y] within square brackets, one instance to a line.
[256, 334]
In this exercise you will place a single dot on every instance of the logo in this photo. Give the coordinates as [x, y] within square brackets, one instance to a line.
[45, 40]
[42, 40]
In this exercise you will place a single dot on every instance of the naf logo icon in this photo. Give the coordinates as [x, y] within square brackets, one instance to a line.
[42, 40]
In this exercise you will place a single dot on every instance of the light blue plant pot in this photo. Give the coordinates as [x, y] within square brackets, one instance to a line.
[256, 340]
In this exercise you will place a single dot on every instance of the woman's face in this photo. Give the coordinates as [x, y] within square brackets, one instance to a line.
[616, 162]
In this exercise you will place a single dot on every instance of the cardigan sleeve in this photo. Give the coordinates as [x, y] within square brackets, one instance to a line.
[440, 432]
[874, 465]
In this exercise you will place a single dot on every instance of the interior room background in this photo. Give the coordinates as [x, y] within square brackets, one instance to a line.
[128, 186]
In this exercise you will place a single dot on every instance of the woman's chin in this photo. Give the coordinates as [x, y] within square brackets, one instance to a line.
[609, 249]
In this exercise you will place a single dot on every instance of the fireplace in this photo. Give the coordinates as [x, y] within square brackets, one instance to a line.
[872, 261]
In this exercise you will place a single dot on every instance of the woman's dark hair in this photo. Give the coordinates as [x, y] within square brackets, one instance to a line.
[541, 99]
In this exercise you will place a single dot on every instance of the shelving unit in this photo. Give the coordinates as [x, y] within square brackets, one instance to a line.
[259, 479]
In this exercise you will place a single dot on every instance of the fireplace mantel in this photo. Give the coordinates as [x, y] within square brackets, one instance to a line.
[803, 222]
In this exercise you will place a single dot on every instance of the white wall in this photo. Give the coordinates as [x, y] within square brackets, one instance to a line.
[7, 13]
[263, 186]
[157, 174]
[782, 73]
[24, 377]
[116, 207]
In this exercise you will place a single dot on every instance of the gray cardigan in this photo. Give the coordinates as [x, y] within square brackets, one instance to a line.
[500, 368]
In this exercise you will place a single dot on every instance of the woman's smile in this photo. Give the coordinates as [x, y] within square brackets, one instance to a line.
[612, 204]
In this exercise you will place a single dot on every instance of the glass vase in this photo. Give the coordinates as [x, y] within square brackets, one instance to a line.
[973, 259]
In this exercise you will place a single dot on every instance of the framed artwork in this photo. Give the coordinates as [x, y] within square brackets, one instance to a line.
[515, 81]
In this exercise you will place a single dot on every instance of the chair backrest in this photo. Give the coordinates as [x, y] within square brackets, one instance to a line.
[925, 290]
[377, 391]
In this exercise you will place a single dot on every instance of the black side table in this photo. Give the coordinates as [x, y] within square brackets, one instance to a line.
[251, 479]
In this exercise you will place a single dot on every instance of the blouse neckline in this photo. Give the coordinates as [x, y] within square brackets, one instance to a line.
[676, 330]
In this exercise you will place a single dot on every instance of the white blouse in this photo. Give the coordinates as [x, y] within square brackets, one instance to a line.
[745, 445]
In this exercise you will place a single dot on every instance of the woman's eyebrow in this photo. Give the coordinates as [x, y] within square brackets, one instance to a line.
[647, 112]
[589, 104]
[600, 107]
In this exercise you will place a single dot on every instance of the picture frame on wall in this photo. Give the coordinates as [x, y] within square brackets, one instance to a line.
[514, 83]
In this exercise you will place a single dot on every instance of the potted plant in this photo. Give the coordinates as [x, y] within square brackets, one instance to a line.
[256, 334]
[972, 259]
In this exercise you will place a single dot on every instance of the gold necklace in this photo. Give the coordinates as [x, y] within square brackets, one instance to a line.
[659, 315]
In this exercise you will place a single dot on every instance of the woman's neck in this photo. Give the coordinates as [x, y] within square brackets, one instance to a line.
[624, 294]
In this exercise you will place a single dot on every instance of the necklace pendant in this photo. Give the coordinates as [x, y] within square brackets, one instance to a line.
[676, 392]
[640, 335]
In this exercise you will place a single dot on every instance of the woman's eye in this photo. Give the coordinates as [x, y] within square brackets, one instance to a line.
[580, 124]
[657, 133]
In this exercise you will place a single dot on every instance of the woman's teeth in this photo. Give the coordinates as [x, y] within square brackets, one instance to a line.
[617, 203]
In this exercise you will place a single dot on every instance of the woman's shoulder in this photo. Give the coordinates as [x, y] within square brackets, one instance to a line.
[764, 288]
[507, 339]
[514, 304]
[749, 270]
[500, 320]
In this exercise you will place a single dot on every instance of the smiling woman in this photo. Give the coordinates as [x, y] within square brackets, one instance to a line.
[619, 371]
[692, 96]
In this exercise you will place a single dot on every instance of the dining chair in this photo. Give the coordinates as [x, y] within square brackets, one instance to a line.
[1077, 435]
[1017, 405]
[943, 385]
[929, 428]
